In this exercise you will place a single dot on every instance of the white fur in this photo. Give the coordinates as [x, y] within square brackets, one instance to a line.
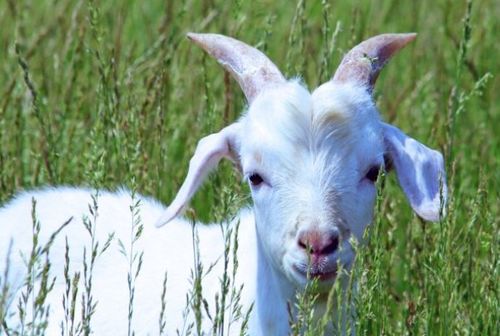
[168, 249]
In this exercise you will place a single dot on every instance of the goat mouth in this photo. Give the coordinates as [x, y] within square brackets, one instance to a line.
[310, 273]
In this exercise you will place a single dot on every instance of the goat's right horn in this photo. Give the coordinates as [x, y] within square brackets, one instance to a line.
[363, 63]
[250, 67]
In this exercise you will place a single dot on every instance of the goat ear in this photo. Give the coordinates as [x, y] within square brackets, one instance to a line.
[209, 151]
[420, 172]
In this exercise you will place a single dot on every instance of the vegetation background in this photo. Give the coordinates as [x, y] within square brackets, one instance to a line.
[110, 93]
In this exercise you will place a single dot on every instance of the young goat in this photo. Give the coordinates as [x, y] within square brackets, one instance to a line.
[311, 160]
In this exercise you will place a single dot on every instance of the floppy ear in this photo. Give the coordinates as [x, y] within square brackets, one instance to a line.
[420, 172]
[209, 151]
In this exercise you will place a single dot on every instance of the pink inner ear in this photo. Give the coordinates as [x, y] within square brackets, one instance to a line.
[209, 152]
[420, 172]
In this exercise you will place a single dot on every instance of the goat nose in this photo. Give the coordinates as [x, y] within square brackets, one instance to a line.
[317, 242]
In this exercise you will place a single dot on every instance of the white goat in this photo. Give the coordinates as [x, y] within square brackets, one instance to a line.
[311, 160]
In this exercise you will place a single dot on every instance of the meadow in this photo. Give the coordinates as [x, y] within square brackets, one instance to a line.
[110, 94]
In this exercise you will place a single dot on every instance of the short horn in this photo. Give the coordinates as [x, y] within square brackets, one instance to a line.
[250, 67]
[363, 63]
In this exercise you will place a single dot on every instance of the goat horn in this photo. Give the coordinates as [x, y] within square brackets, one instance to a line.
[250, 67]
[363, 63]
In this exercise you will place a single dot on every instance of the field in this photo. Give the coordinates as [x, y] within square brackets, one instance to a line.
[110, 93]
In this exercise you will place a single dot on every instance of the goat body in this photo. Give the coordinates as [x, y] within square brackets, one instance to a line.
[167, 250]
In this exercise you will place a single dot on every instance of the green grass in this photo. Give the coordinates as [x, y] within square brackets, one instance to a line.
[109, 94]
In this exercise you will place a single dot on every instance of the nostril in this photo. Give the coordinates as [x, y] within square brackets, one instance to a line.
[302, 244]
[331, 244]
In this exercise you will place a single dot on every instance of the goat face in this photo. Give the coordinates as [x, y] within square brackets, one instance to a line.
[312, 159]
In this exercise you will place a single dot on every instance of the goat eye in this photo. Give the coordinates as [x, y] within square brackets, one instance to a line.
[255, 179]
[373, 173]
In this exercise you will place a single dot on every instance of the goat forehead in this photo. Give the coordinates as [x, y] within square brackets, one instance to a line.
[281, 116]
[315, 133]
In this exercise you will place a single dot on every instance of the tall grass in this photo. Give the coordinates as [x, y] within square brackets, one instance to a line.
[110, 94]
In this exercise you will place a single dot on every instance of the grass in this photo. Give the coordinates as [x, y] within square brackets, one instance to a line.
[111, 94]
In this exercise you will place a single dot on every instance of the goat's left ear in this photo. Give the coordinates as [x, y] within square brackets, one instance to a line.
[209, 151]
[420, 172]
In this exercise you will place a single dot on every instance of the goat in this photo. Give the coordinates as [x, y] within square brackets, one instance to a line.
[311, 160]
